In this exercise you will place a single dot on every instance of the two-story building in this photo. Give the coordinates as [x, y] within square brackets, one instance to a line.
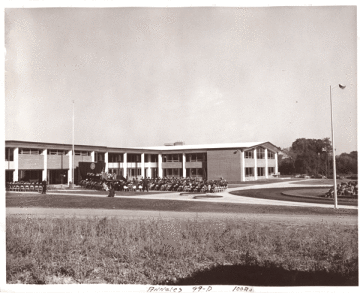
[235, 162]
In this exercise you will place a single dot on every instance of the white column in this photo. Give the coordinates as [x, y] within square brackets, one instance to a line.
[106, 162]
[143, 165]
[183, 164]
[44, 172]
[149, 168]
[276, 163]
[242, 166]
[16, 165]
[255, 165]
[160, 173]
[93, 156]
[266, 164]
[125, 165]
[70, 154]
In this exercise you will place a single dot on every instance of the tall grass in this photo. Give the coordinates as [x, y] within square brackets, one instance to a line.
[153, 251]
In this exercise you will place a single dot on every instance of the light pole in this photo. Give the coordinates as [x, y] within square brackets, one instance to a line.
[73, 149]
[333, 147]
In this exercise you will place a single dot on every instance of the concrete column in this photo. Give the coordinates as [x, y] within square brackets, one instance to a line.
[149, 168]
[242, 166]
[93, 156]
[266, 164]
[255, 164]
[125, 165]
[106, 159]
[160, 171]
[44, 172]
[143, 165]
[16, 165]
[183, 164]
[276, 163]
[70, 179]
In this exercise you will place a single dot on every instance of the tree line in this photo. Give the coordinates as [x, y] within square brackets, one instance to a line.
[314, 157]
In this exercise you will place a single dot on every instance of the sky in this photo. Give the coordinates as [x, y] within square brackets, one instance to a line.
[148, 76]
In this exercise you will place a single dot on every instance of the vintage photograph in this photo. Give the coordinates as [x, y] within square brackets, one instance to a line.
[181, 148]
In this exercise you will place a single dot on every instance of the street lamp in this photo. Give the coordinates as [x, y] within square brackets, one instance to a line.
[333, 146]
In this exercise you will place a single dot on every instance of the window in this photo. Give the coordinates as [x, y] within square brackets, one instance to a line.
[172, 158]
[249, 172]
[194, 172]
[260, 153]
[134, 172]
[82, 153]
[271, 170]
[133, 158]
[115, 158]
[9, 154]
[56, 152]
[200, 157]
[249, 155]
[271, 155]
[261, 171]
[153, 158]
[171, 172]
[99, 157]
[29, 151]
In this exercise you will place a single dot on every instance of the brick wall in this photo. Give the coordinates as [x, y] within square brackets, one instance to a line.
[33, 162]
[193, 164]
[57, 162]
[172, 165]
[223, 163]
[81, 159]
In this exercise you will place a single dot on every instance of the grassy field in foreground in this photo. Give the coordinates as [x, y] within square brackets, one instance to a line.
[182, 252]
[79, 202]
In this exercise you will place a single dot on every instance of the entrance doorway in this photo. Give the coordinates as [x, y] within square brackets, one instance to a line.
[59, 176]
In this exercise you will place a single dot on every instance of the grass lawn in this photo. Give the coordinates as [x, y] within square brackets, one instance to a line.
[179, 252]
[77, 202]
[276, 193]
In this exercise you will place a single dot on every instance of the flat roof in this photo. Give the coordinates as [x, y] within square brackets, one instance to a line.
[236, 145]
[203, 146]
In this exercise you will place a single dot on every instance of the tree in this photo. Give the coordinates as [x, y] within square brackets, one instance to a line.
[311, 155]
[347, 163]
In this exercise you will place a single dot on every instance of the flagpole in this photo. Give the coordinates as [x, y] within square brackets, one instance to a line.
[73, 149]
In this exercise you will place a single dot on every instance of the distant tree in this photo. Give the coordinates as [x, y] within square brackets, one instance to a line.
[311, 155]
[306, 156]
[347, 163]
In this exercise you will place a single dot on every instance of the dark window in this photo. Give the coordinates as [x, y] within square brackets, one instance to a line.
[249, 172]
[261, 171]
[260, 153]
[199, 157]
[30, 151]
[249, 155]
[56, 152]
[115, 158]
[9, 154]
[133, 158]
